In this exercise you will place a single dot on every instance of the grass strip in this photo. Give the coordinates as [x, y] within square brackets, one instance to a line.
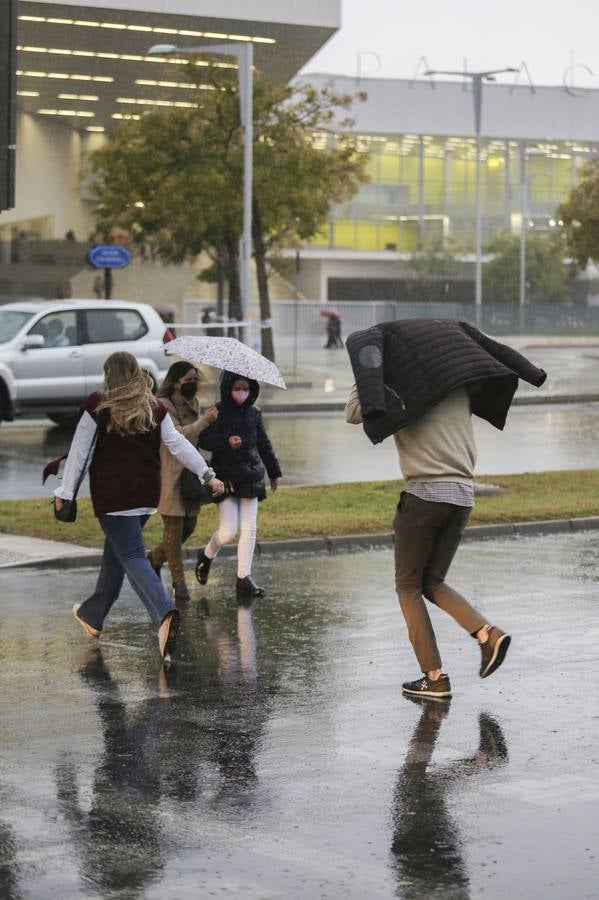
[335, 509]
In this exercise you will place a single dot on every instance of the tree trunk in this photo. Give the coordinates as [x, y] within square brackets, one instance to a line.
[268, 347]
[232, 265]
[220, 289]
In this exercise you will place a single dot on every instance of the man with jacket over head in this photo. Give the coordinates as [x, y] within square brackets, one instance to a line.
[421, 380]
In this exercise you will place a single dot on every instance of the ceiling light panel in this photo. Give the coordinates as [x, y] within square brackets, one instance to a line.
[130, 57]
[30, 73]
[121, 26]
[77, 113]
[91, 97]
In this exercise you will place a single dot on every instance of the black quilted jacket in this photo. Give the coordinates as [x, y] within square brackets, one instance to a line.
[404, 368]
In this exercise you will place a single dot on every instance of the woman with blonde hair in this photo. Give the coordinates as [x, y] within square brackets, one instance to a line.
[178, 393]
[128, 426]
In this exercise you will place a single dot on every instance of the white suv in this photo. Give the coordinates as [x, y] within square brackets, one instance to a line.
[52, 353]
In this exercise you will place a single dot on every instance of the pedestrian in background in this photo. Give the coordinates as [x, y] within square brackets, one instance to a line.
[242, 455]
[178, 394]
[334, 338]
[129, 426]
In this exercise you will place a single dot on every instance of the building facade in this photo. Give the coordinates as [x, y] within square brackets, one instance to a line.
[83, 67]
[420, 140]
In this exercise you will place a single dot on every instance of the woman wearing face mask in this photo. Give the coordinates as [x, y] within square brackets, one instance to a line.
[178, 393]
[241, 452]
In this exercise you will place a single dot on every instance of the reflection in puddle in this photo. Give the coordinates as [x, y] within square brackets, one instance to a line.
[427, 846]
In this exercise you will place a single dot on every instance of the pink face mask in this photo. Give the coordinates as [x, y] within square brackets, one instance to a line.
[240, 396]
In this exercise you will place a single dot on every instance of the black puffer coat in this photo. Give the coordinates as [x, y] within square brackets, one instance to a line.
[241, 470]
[404, 368]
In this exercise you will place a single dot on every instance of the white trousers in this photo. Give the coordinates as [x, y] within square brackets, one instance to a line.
[234, 513]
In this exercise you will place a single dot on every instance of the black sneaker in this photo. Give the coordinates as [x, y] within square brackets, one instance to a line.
[427, 687]
[203, 567]
[493, 650]
[247, 587]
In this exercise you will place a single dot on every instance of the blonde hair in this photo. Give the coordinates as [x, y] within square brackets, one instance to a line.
[127, 395]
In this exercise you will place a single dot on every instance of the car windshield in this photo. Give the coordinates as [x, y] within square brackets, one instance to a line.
[11, 321]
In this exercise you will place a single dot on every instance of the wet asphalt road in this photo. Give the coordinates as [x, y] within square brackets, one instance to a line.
[278, 758]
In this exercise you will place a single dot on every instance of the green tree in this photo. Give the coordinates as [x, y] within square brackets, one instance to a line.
[546, 274]
[174, 177]
[580, 217]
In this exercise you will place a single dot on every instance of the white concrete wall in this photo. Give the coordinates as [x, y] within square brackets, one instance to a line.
[312, 278]
[318, 13]
[396, 106]
[49, 159]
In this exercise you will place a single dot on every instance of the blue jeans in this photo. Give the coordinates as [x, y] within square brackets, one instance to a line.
[125, 554]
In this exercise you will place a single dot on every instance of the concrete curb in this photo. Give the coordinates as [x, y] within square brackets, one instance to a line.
[343, 543]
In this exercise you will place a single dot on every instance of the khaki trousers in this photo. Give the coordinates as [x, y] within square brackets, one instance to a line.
[427, 536]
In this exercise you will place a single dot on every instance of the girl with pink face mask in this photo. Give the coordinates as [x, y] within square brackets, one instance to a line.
[242, 457]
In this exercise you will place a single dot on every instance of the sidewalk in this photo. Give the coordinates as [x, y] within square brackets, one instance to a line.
[16, 550]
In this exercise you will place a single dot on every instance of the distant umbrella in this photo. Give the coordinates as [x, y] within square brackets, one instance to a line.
[330, 314]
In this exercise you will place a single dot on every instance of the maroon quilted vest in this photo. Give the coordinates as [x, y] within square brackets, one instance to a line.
[125, 469]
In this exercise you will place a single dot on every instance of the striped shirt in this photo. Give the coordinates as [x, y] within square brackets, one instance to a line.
[457, 493]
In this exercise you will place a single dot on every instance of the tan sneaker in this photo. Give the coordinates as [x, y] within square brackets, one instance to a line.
[167, 634]
[493, 650]
[90, 632]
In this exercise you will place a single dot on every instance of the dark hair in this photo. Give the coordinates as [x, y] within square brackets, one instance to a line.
[176, 372]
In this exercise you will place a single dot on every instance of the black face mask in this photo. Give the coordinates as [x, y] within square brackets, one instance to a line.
[189, 389]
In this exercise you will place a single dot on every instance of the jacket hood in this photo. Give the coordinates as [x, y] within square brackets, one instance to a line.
[226, 385]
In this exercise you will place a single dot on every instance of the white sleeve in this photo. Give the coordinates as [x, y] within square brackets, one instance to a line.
[185, 452]
[78, 454]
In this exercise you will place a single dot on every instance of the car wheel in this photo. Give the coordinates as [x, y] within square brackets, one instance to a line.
[5, 413]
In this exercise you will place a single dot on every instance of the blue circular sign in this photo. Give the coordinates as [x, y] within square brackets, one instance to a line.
[109, 256]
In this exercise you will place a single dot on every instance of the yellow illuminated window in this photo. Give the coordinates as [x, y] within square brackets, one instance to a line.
[344, 233]
[388, 168]
[366, 236]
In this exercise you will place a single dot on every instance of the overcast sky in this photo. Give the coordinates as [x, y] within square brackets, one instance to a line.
[556, 39]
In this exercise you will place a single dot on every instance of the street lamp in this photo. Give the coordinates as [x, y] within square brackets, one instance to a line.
[244, 53]
[477, 79]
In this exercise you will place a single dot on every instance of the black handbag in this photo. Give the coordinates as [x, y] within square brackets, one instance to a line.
[193, 490]
[67, 512]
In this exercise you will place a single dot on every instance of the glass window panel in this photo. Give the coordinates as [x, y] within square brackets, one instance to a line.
[389, 236]
[433, 184]
[389, 168]
[344, 233]
[367, 236]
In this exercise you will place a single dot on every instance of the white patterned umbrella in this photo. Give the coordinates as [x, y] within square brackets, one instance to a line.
[226, 353]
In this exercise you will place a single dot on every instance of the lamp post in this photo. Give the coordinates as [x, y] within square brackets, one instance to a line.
[523, 228]
[477, 79]
[244, 53]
